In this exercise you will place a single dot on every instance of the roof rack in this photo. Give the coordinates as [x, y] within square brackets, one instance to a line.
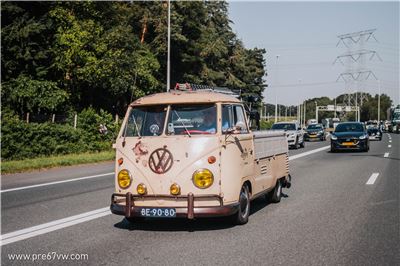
[198, 87]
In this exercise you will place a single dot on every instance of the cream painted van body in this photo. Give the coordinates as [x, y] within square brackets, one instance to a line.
[257, 160]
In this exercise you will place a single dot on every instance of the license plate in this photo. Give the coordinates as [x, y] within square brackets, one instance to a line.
[158, 212]
[348, 143]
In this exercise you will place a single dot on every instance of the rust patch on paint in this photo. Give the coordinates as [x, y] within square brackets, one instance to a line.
[139, 150]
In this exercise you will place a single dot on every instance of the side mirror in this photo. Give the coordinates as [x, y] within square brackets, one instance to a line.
[240, 126]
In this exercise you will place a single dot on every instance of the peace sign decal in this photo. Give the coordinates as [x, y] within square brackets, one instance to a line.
[161, 160]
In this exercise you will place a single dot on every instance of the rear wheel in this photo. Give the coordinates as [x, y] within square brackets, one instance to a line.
[242, 216]
[276, 194]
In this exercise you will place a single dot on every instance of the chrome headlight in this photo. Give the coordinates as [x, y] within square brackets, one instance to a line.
[363, 137]
[333, 137]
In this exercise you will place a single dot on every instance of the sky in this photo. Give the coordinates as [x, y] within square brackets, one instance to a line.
[300, 39]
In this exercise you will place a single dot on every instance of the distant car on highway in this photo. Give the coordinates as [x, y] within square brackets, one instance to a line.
[374, 133]
[312, 122]
[387, 126]
[350, 136]
[294, 133]
[315, 131]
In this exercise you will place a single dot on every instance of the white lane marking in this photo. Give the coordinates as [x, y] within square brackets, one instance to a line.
[83, 217]
[52, 226]
[293, 157]
[372, 179]
[386, 155]
[55, 183]
[389, 146]
[390, 140]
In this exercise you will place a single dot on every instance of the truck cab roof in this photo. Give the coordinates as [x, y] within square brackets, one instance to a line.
[184, 97]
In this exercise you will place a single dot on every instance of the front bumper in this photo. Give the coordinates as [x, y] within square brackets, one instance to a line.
[356, 144]
[313, 136]
[190, 211]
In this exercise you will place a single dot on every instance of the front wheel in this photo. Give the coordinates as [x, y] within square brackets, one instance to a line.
[242, 216]
[296, 144]
[302, 145]
[333, 148]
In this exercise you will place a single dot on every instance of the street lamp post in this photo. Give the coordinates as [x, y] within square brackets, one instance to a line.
[316, 111]
[276, 91]
[379, 101]
[305, 113]
[169, 44]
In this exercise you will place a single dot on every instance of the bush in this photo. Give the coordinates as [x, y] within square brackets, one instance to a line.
[266, 124]
[21, 140]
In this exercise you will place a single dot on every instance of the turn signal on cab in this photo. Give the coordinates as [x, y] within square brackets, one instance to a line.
[175, 189]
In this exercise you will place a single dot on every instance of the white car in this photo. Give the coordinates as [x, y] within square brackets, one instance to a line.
[294, 133]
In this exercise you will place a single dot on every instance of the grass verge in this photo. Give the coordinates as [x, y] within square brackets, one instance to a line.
[8, 167]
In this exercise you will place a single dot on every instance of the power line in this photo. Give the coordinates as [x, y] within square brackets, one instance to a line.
[306, 84]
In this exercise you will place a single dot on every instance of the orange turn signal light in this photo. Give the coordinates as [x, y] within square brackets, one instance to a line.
[120, 161]
[212, 159]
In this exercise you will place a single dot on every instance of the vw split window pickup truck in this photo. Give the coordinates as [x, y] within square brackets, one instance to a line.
[189, 153]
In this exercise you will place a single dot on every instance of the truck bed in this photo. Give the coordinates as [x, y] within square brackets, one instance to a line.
[268, 143]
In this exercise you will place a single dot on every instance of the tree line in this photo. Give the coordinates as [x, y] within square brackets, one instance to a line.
[62, 57]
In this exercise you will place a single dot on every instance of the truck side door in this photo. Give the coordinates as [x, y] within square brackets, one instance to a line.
[237, 153]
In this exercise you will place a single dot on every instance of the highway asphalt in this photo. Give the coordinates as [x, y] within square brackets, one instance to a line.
[342, 209]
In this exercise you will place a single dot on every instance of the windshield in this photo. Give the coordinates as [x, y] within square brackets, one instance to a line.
[146, 121]
[314, 127]
[349, 128]
[283, 126]
[192, 119]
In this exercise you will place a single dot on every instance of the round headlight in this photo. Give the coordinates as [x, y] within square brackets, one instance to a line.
[124, 179]
[175, 189]
[203, 178]
[333, 137]
[141, 189]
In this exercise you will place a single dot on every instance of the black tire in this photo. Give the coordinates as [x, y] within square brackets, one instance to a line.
[366, 149]
[333, 150]
[276, 194]
[296, 144]
[302, 145]
[242, 216]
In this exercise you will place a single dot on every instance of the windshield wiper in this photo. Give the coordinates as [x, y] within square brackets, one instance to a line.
[126, 129]
[179, 119]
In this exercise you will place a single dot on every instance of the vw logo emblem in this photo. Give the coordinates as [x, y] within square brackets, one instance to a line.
[161, 160]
